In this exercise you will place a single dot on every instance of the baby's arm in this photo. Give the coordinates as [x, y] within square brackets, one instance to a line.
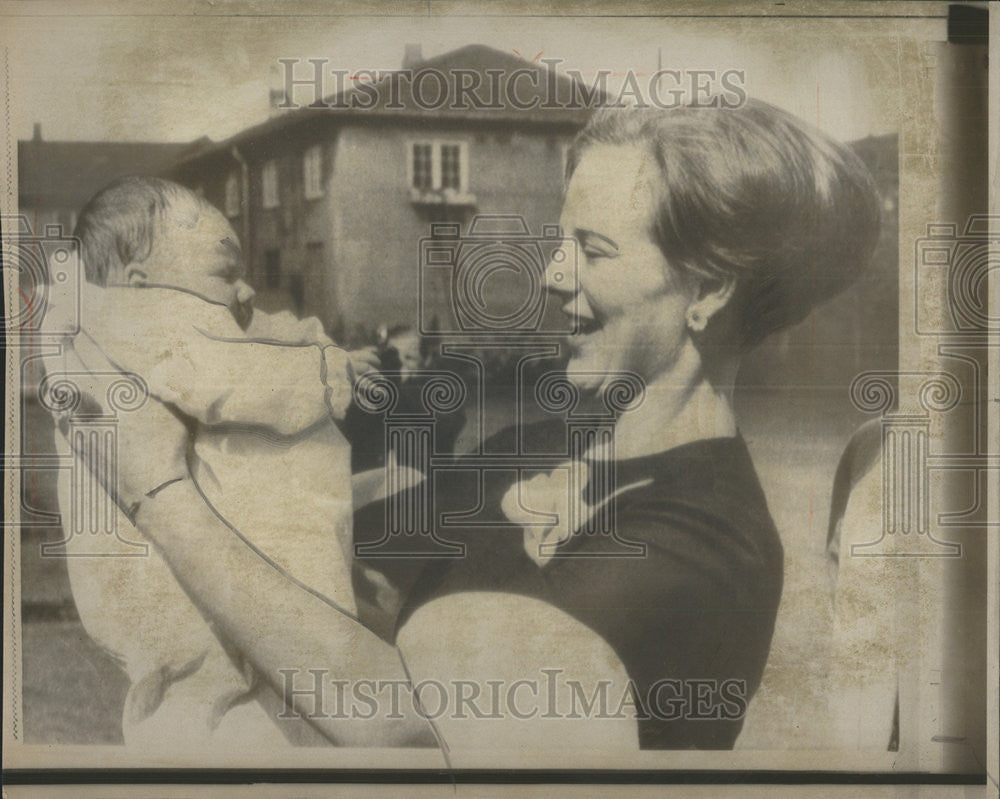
[289, 388]
[194, 355]
[285, 327]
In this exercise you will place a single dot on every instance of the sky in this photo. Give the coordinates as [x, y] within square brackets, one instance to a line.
[180, 77]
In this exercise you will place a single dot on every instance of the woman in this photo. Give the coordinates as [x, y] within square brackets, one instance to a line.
[699, 232]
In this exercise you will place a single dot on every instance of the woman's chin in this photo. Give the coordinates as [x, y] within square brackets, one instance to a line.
[588, 378]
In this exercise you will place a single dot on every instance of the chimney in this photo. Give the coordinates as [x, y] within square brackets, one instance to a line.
[36, 133]
[413, 56]
[275, 91]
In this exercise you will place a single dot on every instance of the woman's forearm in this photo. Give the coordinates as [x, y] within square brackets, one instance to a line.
[292, 637]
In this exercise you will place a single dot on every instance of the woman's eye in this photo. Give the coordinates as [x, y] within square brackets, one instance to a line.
[595, 245]
[592, 251]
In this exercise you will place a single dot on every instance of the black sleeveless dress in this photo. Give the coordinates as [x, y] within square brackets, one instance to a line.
[691, 616]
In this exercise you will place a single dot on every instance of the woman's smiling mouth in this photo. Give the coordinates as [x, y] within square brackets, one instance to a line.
[580, 325]
[587, 325]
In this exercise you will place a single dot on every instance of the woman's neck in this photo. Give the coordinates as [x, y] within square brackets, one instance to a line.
[680, 407]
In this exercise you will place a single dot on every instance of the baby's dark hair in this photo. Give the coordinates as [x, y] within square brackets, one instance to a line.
[117, 225]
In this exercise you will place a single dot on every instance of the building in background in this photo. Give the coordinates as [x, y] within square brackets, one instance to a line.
[331, 205]
[331, 202]
[56, 178]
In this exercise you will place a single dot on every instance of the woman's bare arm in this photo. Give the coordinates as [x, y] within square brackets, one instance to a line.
[359, 684]
[300, 643]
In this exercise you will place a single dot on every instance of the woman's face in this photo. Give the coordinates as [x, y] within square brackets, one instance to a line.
[630, 304]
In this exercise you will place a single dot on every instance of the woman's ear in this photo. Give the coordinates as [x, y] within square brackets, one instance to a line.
[713, 295]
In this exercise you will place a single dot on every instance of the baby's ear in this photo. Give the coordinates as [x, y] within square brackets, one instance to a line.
[134, 276]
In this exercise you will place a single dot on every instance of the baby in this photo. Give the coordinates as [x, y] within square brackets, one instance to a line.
[260, 395]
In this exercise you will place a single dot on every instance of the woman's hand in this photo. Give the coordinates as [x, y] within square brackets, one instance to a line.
[287, 633]
[150, 442]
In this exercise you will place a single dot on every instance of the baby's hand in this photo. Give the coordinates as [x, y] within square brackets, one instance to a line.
[364, 360]
[339, 376]
[286, 327]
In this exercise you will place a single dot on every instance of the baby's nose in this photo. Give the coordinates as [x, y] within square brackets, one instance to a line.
[244, 292]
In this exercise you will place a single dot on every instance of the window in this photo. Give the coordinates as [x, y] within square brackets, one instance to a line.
[233, 199]
[437, 165]
[314, 251]
[269, 185]
[312, 172]
[451, 167]
[423, 167]
[272, 269]
[312, 272]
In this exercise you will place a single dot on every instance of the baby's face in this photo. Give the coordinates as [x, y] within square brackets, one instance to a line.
[197, 250]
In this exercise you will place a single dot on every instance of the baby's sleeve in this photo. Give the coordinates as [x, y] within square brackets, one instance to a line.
[195, 356]
[284, 326]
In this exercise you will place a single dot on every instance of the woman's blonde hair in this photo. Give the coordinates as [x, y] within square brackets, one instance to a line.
[751, 193]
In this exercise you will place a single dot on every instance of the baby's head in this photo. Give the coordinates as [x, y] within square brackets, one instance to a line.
[144, 231]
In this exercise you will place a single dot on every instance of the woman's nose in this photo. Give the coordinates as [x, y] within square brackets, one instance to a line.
[560, 274]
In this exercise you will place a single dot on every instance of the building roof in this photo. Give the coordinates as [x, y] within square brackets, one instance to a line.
[511, 87]
[513, 84]
[65, 174]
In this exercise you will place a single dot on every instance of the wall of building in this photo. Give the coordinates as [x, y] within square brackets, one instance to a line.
[357, 248]
[295, 230]
[298, 230]
[378, 228]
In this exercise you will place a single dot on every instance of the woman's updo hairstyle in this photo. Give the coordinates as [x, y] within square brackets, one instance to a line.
[756, 194]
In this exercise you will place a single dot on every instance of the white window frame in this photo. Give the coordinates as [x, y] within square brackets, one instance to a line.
[269, 190]
[312, 172]
[436, 146]
[233, 199]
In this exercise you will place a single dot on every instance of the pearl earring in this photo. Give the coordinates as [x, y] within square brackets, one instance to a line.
[695, 322]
